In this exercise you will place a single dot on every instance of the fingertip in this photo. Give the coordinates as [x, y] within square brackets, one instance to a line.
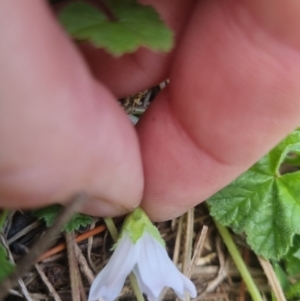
[103, 208]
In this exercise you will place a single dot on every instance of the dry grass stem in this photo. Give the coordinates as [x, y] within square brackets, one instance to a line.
[197, 251]
[15, 293]
[46, 281]
[75, 277]
[222, 273]
[188, 243]
[84, 267]
[36, 296]
[273, 281]
[178, 241]
[204, 260]
[24, 290]
[221, 255]
[24, 231]
[89, 249]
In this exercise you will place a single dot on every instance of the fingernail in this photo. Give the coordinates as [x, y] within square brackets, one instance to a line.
[103, 208]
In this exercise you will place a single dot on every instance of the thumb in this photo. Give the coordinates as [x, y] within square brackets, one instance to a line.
[281, 17]
[234, 93]
[61, 132]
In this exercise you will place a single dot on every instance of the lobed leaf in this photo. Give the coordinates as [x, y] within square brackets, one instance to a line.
[263, 203]
[292, 258]
[126, 27]
[49, 214]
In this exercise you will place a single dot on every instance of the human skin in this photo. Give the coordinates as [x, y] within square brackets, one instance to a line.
[233, 94]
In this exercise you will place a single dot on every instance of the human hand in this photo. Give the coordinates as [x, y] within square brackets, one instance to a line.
[234, 84]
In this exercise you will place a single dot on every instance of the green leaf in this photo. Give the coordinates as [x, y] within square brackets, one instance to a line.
[281, 276]
[293, 291]
[79, 220]
[134, 25]
[263, 203]
[6, 266]
[292, 258]
[49, 214]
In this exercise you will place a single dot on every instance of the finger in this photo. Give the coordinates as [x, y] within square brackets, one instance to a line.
[233, 94]
[280, 18]
[60, 131]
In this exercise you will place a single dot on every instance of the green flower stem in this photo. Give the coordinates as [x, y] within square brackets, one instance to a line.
[114, 233]
[111, 228]
[3, 216]
[136, 288]
[241, 266]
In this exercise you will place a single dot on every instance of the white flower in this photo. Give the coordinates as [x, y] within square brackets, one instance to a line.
[149, 260]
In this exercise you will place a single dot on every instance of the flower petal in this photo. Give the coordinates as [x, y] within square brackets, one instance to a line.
[109, 282]
[155, 270]
[151, 296]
